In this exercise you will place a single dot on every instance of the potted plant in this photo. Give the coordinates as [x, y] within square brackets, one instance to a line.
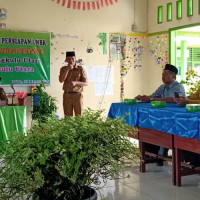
[44, 105]
[59, 158]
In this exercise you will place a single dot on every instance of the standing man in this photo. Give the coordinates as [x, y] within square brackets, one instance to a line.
[74, 78]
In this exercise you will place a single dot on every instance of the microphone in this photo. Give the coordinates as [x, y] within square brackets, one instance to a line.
[13, 93]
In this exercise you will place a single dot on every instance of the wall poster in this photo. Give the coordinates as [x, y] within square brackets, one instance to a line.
[24, 58]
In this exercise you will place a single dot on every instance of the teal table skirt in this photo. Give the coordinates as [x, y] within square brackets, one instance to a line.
[12, 119]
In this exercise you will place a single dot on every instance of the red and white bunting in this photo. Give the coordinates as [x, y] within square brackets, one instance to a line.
[102, 3]
[111, 2]
[98, 5]
[63, 2]
[79, 5]
[88, 5]
[74, 4]
[106, 1]
[85, 4]
[69, 4]
[93, 5]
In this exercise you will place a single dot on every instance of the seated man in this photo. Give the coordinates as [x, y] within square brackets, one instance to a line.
[190, 157]
[164, 93]
[3, 96]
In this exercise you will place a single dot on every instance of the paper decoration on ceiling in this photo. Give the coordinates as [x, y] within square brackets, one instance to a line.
[85, 4]
[159, 49]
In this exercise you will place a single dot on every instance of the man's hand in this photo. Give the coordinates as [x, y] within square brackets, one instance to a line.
[182, 101]
[139, 97]
[143, 98]
[70, 67]
[72, 84]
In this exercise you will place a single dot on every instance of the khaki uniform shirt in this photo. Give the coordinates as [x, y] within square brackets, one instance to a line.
[76, 74]
[195, 98]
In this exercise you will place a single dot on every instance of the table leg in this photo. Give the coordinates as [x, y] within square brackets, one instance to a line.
[142, 156]
[173, 167]
[178, 166]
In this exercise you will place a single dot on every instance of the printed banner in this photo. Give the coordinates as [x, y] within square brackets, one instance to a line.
[24, 58]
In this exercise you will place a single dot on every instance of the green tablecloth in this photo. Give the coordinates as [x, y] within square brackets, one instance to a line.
[12, 118]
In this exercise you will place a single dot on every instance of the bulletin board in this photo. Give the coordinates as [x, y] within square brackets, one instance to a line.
[24, 58]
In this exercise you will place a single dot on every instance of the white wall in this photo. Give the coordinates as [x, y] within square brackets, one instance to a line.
[152, 15]
[153, 27]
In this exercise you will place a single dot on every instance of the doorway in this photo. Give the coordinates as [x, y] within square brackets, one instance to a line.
[184, 48]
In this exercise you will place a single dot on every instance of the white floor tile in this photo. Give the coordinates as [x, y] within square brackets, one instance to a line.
[154, 184]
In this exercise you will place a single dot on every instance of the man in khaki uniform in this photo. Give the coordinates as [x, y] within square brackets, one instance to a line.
[74, 78]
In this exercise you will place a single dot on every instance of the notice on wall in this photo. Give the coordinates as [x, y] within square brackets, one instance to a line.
[103, 78]
[24, 58]
[116, 44]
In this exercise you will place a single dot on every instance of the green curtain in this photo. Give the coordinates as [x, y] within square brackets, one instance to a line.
[12, 118]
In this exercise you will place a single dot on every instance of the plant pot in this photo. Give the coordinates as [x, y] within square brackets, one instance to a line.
[88, 194]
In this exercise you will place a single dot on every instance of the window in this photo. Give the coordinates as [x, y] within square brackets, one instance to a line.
[189, 8]
[194, 57]
[160, 14]
[199, 7]
[179, 9]
[169, 12]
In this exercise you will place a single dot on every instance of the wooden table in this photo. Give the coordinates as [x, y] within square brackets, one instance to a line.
[188, 144]
[162, 127]
[160, 139]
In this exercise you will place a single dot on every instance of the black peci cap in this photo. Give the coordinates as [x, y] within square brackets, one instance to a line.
[70, 53]
[171, 68]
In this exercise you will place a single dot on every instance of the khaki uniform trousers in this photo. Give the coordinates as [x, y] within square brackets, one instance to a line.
[72, 102]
